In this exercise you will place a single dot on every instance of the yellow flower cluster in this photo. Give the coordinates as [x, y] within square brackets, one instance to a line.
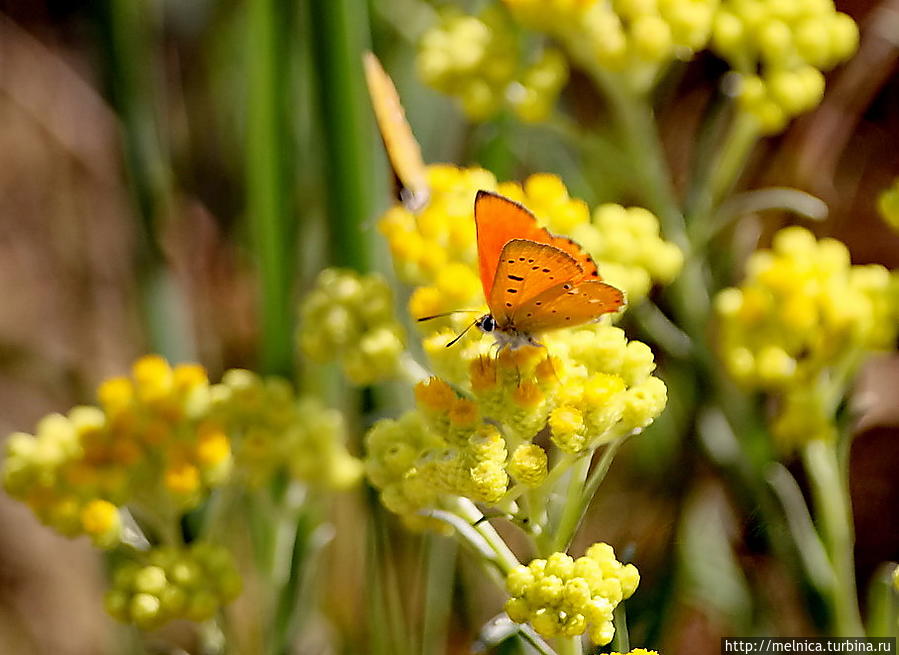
[628, 247]
[161, 440]
[888, 205]
[610, 391]
[562, 596]
[169, 583]
[349, 317]
[435, 250]
[637, 36]
[638, 651]
[152, 437]
[272, 430]
[779, 49]
[475, 59]
[595, 387]
[442, 448]
[802, 318]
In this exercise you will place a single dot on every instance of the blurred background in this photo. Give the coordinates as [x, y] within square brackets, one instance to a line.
[165, 166]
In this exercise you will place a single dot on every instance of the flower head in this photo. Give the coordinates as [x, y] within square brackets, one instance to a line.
[167, 583]
[272, 429]
[779, 51]
[562, 596]
[475, 60]
[622, 36]
[349, 317]
[803, 316]
[162, 439]
[151, 432]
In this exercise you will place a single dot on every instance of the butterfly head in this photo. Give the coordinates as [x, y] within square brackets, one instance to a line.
[486, 324]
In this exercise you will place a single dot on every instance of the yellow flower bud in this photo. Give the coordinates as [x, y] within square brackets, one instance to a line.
[435, 395]
[182, 478]
[101, 521]
[528, 464]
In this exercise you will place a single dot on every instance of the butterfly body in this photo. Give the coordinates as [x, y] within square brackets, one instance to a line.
[507, 336]
[534, 281]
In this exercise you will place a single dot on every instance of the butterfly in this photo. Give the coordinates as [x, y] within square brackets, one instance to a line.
[403, 150]
[534, 281]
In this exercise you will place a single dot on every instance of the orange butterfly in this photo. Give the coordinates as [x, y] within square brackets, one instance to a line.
[403, 150]
[533, 280]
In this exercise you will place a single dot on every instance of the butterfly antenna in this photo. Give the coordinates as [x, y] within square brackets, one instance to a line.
[444, 314]
[461, 334]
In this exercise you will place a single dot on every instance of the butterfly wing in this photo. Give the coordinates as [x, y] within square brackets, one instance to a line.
[557, 308]
[499, 220]
[527, 270]
[402, 148]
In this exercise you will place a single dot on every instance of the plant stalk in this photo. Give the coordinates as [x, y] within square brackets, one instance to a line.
[834, 518]
[267, 175]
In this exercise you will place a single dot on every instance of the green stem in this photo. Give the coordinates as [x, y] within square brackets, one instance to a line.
[441, 572]
[599, 473]
[128, 27]
[569, 645]
[529, 635]
[560, 531]
[834, 517]
[663, 332]
[268, 141]
[808, 543]
[621, 642]
[724, 170]
[128, 30]
[337, 45]
[636, 126]
[580, 493]
[882, 602]
[468, 511]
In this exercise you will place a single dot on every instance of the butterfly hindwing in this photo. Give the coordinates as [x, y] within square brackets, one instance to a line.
[402, 148]
[527, 270]
[567, 307]
[499, 220]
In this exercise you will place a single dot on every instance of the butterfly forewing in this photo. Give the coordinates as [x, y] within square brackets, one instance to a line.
[500, 220]
[402, 148]
[579, 304]
[527, 270]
